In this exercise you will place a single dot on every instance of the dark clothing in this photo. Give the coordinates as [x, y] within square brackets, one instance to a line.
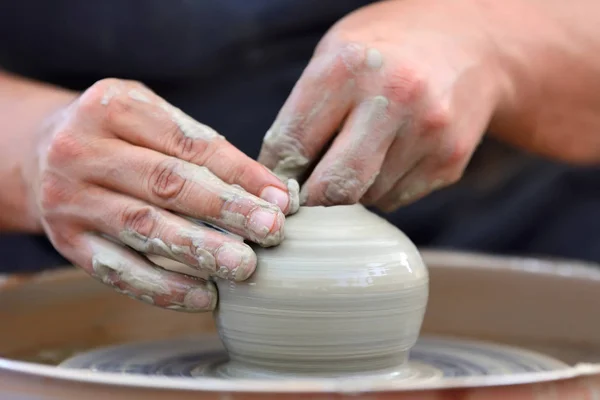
[231, 65]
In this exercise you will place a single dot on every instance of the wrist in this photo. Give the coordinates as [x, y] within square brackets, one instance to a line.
[548, 51]
[508, 30]
[24, 108]
[522, 38]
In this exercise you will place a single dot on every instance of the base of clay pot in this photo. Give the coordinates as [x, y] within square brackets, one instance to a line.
[385, 365]
[238, 370]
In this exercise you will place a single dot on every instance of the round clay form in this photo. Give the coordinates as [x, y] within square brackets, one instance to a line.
[344, 293]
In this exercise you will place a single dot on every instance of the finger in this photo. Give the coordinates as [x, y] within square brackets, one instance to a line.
[401, 157]
[354, 160]
[448, 149]
[135, 276]
[429, 174]
[409, 187]
[185, 188]
[312, 114]
[154, 231]
[425, 126]
[146, 228]
[137, 115]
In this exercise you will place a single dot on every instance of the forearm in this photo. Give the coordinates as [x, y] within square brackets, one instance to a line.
[23, 107]
[550, 50]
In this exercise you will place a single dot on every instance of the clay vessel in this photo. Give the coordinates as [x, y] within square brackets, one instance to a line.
[344, 293]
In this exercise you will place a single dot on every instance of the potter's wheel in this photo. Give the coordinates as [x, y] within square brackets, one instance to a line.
[64, 315]
[431, 359]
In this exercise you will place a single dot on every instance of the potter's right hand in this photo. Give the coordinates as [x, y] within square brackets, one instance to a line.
[114, 170]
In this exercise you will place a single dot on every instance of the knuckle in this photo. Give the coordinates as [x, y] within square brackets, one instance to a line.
[59, 241]
[349, 58]
[64, 148]
[232, 169]
[62, 237]
[52, 193]
[142, 220]
[436, 119]
[119, 109]
[405, 85]
[338, 60]
[165, 182]
[181, 146]
[186, 147]
[241, 174]
[97, 95]
[109, 97]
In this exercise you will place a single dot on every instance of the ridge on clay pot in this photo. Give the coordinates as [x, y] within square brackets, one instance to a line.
[344, 293]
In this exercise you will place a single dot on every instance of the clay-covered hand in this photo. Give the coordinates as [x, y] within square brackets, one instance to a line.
[119, 171]
[391, 107]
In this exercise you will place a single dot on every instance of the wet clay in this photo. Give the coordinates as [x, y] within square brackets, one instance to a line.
[344, 293]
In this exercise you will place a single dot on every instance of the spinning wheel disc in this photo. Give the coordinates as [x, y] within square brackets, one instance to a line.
[430, 359]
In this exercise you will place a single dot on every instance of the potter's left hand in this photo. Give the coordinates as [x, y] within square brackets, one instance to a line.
[403, 90]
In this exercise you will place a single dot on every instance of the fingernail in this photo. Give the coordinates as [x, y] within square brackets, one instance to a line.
[235, 261]
[262, 221]
[276, 196]
[200, 299]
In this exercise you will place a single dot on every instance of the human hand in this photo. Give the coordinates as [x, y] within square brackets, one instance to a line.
[116, 167]
[402, 91]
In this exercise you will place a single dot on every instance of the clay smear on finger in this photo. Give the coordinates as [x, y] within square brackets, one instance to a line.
[374, 59]
[366, 137]
[188, 126]
[294, 193]
[139, 95]
[196, 246]
[262, 224]
[112, 91]
[230, 258]
[282, 148]
[349, 169]
[192, 254]
[134, 276]
[241, 212]
[417, 189]
[291, 163]
[235, 261]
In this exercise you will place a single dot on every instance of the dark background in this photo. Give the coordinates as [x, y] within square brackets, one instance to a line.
[231, 65]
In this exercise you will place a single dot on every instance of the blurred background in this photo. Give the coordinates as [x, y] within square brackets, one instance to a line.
[231, 64]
